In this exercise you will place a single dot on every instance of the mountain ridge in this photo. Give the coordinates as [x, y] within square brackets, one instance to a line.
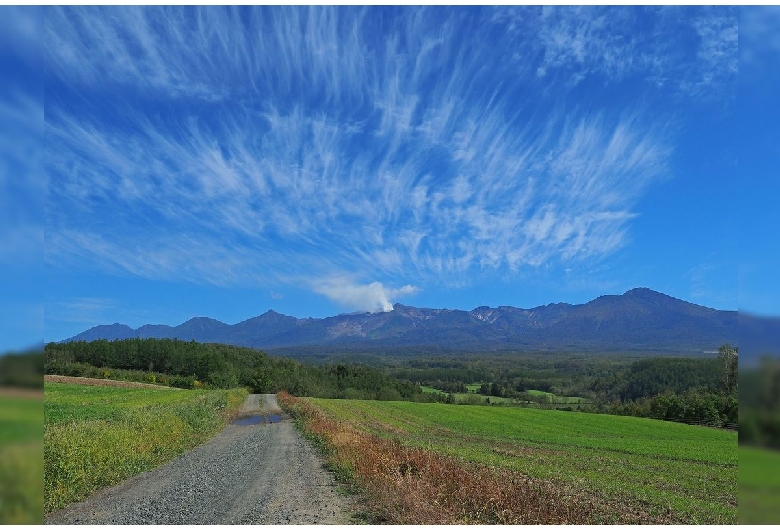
[639, 319]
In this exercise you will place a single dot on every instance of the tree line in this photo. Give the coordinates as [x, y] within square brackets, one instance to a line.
[22, 370]
[191, 364]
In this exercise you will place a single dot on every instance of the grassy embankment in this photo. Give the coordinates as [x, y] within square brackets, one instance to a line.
[98, 436]
[759, 486]
[434, 463]
[21, 458]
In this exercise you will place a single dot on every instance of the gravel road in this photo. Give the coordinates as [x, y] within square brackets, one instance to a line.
[264, 473]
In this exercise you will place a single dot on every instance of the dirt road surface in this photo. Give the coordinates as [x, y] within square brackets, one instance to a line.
[261, 473]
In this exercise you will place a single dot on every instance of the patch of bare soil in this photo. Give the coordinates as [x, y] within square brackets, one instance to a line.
[28, 393]
[99, 382]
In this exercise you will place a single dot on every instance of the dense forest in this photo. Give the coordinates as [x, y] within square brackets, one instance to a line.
[650, 377]
[508, 374]
[697, 390]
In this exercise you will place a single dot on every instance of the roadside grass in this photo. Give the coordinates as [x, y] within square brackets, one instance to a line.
[21, 460]
[95, 437]
[759, 486]
[607, 468]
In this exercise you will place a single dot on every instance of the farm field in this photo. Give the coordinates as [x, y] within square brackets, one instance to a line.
[759, 486]
[21, 462]
[664, 471]
[471, 396]
[462, 397]
[557, 399]
[98, 436]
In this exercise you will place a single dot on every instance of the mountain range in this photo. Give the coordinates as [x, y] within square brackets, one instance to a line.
[640, 319]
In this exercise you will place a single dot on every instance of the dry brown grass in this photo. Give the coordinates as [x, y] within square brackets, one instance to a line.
[406, 485]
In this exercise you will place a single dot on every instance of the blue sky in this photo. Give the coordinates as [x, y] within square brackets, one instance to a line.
[759, 160]
[222, 162]
[21, 178]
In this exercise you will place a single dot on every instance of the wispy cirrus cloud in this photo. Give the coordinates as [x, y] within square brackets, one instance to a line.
[249, 146]
[82, 310]
[615, 43]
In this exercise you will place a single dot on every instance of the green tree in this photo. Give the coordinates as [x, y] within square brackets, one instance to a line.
[728, 362]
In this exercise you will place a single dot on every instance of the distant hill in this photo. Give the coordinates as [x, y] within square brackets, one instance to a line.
[640, 319]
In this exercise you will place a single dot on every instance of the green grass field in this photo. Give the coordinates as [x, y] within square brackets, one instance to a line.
[21, 460]
[759, 486]
[462, 397]
[554, 398]
[96, 436]
[67, 403]
[21, 418]
[659, 467]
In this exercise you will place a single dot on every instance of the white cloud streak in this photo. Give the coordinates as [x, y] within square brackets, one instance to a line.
[319, 142]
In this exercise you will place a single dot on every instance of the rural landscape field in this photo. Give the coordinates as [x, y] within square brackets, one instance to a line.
[759, 487]
[21, 457]
[389, 264]
[412, 449]
[577, 468]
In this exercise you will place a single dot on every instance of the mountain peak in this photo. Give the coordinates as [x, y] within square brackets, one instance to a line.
[642, 291]
[199, 319]
[649, 295]
[201, 322]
